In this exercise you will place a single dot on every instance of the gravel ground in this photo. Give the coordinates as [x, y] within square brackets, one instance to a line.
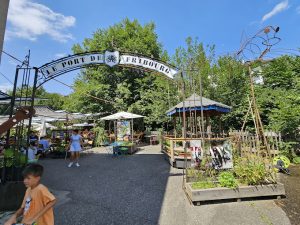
[291, 204]
[140, 189]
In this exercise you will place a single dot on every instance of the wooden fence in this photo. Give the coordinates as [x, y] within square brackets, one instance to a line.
[249, 143]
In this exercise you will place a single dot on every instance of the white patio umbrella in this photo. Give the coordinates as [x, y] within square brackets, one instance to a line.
[123, 116]
[83, 125]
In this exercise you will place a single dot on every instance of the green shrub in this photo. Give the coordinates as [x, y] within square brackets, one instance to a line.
[287, 149]
[194, 173]
[227, 179]
[21, 160]
[203, 185]
[9, 157]
[100, 136]
[296, 160]
[127, 143]
[13, 158]
[8, 153]
[252, 170]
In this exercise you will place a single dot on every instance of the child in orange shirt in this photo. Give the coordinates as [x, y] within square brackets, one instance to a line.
[37, 206]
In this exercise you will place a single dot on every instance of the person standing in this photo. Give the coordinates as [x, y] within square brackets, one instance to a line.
[75, 146]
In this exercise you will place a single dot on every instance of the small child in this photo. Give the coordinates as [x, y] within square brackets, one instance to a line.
[37, 206]
[32, 151]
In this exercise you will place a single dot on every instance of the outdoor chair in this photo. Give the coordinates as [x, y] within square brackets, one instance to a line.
[153, 139]
[137, 139]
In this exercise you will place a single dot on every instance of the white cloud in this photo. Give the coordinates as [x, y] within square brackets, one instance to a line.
[29, 20]
[277, 9]
[4, 87]
[60, 55]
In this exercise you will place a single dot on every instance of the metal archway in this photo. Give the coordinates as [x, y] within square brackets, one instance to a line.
[111, 58]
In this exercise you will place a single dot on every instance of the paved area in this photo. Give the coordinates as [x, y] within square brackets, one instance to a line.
[140, 189]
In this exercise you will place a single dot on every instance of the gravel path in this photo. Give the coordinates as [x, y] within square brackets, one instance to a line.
[291, 204]
[140, 189]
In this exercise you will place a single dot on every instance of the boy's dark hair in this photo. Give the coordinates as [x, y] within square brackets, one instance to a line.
[32, 143]
[76, 131]
[34, 169]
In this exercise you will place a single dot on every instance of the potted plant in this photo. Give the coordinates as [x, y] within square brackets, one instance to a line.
[100, 136]
[12, 189]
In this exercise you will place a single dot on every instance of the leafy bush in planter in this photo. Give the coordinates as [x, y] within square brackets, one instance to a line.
[296, 160]
[203, 184]
[9, 157]
[287, 149]
[126, 143]
[100, 136]
[252, 170]
[195, 174]
[14, 162]
[227, 179]
[8, 153]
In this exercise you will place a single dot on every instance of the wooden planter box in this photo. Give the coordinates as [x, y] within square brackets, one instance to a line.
[127, 149]
[244, 192]
[11, 195]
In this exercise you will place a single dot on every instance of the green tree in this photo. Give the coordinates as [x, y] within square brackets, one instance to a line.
[121, 88]
[54, 100]
[278, 96]
[223, 78]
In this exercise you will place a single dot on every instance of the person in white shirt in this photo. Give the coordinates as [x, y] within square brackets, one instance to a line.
[32, 151]
[43, 145]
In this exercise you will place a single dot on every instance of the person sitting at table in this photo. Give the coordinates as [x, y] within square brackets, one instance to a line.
[112, 137]
[32, 152]
[44, 143]
[85, 133]
[33, 137]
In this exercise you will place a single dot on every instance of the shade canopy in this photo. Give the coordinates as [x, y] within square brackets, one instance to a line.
[83, 125]
[193, 104]
[122, 116]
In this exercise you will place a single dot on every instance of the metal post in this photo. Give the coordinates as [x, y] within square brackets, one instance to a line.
[183, 108]
[201, 106]
[32, 105]
[184, 128]
[12, 102]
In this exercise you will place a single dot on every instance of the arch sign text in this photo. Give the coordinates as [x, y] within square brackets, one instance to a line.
[63, 65]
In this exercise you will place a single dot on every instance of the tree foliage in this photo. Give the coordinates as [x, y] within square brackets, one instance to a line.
[117, 88]
[224, 79]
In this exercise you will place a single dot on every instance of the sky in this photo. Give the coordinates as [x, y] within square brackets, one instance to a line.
[50, 28]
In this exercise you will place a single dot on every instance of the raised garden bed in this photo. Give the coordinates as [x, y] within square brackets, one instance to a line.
[244, 192]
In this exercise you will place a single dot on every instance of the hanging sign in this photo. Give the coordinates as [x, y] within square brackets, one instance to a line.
[147, 63]
[123, 129]
[111, 59]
